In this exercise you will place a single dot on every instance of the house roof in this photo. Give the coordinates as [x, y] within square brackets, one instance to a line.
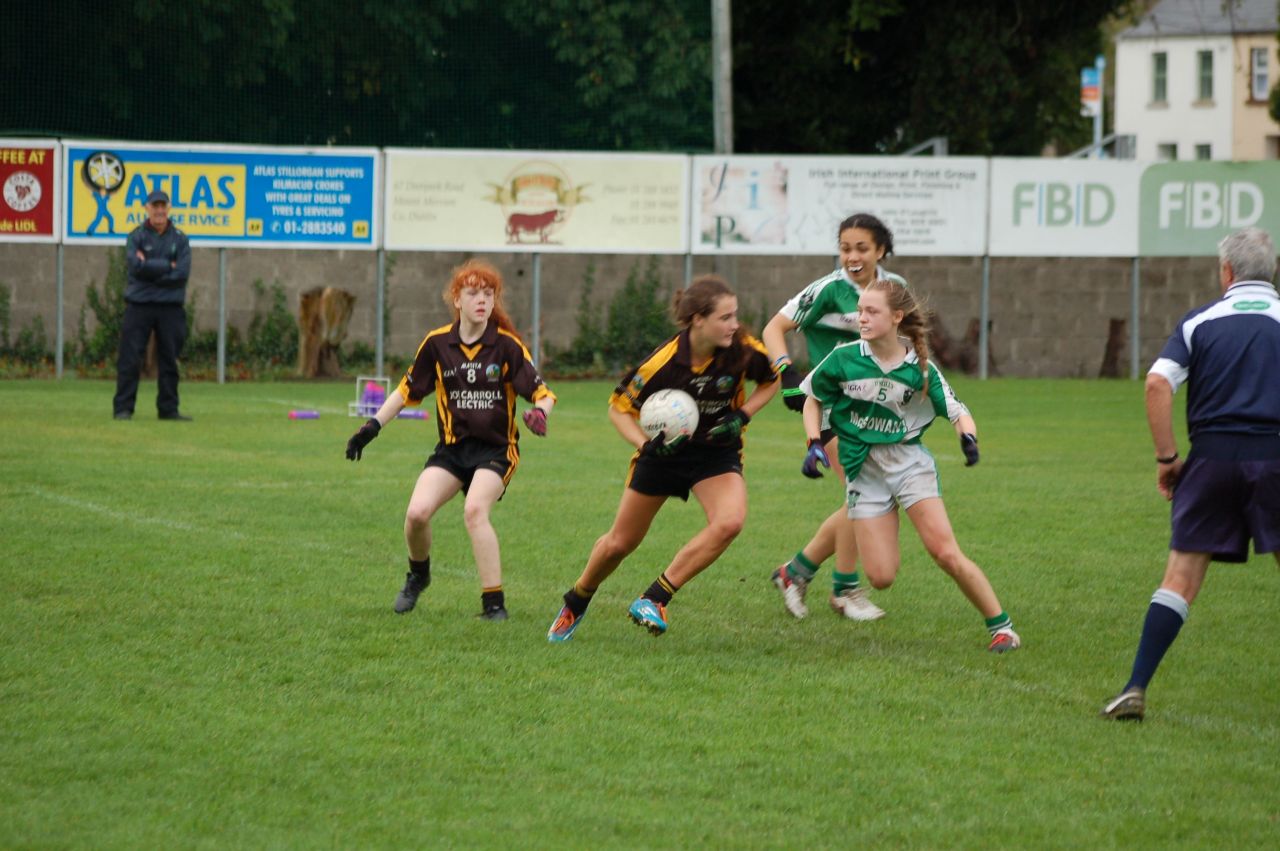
[1206, 17]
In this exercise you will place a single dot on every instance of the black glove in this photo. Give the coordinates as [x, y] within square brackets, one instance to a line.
[969, 446]
[730, 428]
[815, 456]
[362, 438]
[659, 446]
[792, 396]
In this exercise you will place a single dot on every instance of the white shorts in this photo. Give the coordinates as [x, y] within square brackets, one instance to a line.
[894, 474]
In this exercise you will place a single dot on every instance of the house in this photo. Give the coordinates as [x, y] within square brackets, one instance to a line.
[1193, 79]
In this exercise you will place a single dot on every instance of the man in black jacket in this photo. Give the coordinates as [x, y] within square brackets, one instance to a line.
[158, 257]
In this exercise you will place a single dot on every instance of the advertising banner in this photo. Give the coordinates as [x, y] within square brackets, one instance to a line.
[1064, 208]
[1187, 207]
[536, 202]
[794, 205]
[224, 196]
[30, 197]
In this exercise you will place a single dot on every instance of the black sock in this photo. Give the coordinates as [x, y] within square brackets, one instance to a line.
[661, 590]
[576, 602]
[421, 569]
[492, 598]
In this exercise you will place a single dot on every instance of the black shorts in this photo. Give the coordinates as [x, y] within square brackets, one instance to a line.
[462, 459]
[674, 475]
[1223, 500]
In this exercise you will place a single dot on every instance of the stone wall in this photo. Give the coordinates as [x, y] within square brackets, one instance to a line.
[1049, 316]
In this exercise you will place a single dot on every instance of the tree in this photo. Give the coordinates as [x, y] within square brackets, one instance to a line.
[877, 76]
[458, 73]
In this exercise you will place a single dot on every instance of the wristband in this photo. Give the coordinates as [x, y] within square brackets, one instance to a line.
[1169, 460]
[781, 362]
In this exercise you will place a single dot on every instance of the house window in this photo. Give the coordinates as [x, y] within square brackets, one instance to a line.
[1167, 151]
[1204, 152]
[1204, 65]
[1159, 77]
[1258, 82]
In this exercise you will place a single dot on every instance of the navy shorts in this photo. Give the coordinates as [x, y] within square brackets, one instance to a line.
[1218, 505]
[675, 475]
[463, 458]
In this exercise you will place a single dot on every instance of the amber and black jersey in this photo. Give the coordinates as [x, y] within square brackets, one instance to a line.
[717, 385]
[475, 384]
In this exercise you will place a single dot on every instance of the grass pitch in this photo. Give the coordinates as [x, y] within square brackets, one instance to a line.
[199, 648]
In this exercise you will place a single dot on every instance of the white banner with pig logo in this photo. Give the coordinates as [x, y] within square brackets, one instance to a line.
[536, 201]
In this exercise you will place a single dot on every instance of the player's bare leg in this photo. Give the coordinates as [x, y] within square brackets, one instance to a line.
[877, 539]
[433, 489]
[929, 516]
[724, 503]
[486, 488]
[635, 515]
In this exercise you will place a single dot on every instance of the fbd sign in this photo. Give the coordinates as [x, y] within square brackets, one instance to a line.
[1187, 208]
[1064, 208]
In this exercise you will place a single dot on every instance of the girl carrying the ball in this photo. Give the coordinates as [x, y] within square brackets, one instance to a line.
[882, 393]
[710, 359]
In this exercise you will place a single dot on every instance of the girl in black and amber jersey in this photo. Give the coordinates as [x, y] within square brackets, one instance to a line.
[476, 367]
[710, 359]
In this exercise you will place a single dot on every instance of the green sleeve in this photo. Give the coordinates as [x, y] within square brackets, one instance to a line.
[937, 393]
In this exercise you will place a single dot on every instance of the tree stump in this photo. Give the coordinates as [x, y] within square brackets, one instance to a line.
[952, 355]
[1115, 346]
[323, 315]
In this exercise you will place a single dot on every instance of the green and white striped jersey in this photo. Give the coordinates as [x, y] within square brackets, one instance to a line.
[871, 405]
[826, 311]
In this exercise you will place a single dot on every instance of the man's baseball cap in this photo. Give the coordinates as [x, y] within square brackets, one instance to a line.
[158, 195]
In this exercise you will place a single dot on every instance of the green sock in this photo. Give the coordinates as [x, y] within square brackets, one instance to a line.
[999, 622]
[801, 568]
[843, 582]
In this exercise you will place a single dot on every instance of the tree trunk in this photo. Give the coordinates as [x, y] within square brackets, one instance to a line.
[1115, 346]
[323, 315]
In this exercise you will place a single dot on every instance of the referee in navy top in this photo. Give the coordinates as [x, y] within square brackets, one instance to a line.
[1228, 490]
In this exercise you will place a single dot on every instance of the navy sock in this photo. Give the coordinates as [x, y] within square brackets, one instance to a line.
[421, 569]
[1165, 616]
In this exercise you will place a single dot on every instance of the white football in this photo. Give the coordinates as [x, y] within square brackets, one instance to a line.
[670, 412]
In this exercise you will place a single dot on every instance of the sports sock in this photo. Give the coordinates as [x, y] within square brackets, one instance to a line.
[421, 569]
[1165, 616]
[661, 590]
[577, 599]
[801, 568]
[999, 622]
[492, 598]
[844, 581]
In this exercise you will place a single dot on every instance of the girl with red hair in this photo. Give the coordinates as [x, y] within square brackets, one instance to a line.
[476, 366]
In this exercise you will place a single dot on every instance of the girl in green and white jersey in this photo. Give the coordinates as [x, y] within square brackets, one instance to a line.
[826, 313]
[882, 393]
